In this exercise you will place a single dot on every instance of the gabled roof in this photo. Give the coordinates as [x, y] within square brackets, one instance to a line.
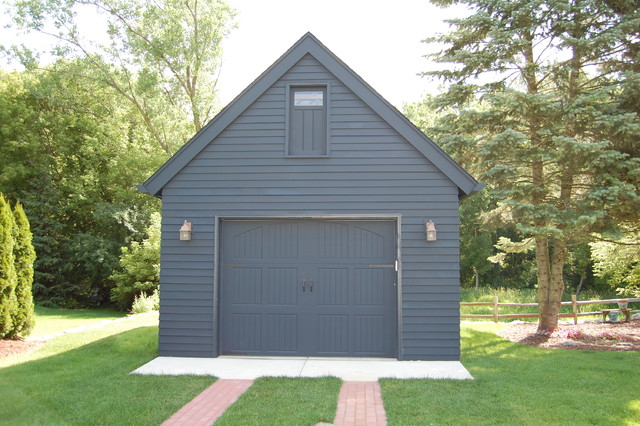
[309, 44]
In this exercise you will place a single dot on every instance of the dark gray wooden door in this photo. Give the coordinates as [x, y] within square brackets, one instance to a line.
[308, 288]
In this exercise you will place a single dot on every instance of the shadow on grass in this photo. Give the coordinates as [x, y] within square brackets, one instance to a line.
[55, 320]
[518, 384]
[93, 313]
[91, 384]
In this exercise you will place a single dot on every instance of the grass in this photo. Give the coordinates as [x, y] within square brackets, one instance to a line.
[508, 295]
[54, 320]
[83, 378]
[518, 384]
[285, 401]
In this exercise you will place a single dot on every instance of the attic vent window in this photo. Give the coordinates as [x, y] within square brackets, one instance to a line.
[307, 129]
[308, 98]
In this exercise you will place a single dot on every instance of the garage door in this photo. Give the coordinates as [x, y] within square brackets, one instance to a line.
[308, 288]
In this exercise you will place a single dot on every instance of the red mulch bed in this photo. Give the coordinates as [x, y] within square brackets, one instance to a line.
[593, 336]
[10, 347]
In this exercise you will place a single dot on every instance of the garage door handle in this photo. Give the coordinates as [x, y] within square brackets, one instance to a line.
[304, 283]
[310, 286]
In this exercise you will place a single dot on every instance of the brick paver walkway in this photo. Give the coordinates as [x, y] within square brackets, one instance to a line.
[205, 408]
[360, 403]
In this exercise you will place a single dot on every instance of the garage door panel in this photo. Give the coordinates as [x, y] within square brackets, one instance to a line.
[371, 287]
[282, 240]
[281, 286]
[246, 335]
[366, 244]
[332, 286]
[368, 334]
[281, 333]
[247, 244]
[332, 335]
[246, 284]
[331, 240]
[313, 287]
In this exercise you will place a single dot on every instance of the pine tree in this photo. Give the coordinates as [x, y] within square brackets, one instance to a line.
[540, 94]
[25, 255]
[8, 279]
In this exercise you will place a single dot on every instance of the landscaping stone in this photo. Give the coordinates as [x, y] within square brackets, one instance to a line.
[571, 343]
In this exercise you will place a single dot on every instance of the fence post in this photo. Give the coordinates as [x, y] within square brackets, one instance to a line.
[495, 308]
[574, 303]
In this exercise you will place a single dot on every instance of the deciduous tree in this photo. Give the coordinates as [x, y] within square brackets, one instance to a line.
[160, 57]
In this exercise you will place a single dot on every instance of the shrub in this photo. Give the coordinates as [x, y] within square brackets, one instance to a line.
[143, 303]
[8, 278]
[139, 272]
[24, 255]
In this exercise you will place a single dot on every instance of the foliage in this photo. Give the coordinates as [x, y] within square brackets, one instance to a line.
[16, 272]
[619, 262]
[550, 132]
[73, 168]
[143, 303]
[139, 272]
[78, 133]
[162, 58]
[83, 378]
[24, 255]
[8, 278]
[476, 242]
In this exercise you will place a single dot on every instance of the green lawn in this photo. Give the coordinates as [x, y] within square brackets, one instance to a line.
[518, 384]
[285, 401]
[54, 320]
[83, 378]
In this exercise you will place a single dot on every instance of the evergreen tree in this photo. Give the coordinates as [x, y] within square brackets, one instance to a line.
[540, 92]
[8, 301]
[25, 255]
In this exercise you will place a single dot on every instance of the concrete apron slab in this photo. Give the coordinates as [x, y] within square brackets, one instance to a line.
[348, 369]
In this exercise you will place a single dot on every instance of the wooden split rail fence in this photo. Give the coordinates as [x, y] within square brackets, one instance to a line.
[496, 316]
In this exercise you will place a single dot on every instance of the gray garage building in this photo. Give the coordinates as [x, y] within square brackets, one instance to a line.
[308, 198]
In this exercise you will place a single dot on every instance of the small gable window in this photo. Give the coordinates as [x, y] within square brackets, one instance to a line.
[307, 130]
[313, 98]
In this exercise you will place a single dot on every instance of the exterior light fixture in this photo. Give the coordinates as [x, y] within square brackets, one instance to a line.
[431, 231]
[185, 231]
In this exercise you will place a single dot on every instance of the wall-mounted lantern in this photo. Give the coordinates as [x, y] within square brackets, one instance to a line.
[431, 231]
[185, 231]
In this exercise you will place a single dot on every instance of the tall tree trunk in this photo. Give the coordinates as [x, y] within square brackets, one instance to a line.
[475, 272]
[550, 260]
[579, 289]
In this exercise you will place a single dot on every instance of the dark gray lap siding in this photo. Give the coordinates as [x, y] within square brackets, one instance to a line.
[371, 170]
